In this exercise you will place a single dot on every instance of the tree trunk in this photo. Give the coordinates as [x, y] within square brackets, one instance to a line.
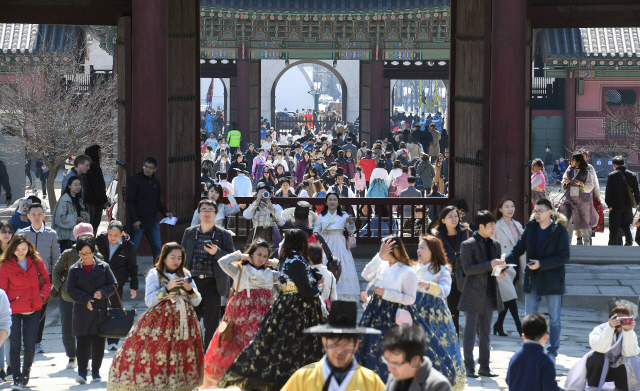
[51, 189]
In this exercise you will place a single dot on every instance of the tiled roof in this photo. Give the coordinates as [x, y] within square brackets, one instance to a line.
[324, 6]
[30, 38]
[584, 43]
[16, 37]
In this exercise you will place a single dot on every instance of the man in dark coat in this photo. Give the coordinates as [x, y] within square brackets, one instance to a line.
[480, 294]
[118, 249]
[4, 182]
[144, 204]
[95, 190]
[546, 242]
[619, 203]
[205, 244]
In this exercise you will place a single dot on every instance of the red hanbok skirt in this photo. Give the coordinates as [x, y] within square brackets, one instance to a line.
[245, 314]
[154, 357]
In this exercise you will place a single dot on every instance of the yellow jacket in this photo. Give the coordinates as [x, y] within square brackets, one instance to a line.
[312, 378]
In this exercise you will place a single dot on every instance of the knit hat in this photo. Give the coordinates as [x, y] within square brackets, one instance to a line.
[82, 229]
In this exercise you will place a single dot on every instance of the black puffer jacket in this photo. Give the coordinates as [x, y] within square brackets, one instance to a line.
[143, 199]
[122, 261]
[95, 191]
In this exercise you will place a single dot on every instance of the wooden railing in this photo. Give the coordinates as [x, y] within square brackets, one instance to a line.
[410, 227]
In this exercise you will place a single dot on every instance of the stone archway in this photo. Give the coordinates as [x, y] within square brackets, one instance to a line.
[347, 72]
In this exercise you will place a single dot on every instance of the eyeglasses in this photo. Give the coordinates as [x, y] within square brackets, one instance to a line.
[539, 212]
[7, 232]
[393, 364]
[85, 254]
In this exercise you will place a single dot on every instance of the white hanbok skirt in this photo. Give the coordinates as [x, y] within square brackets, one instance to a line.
[348, 287]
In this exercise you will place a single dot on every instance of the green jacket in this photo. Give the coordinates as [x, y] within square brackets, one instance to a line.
[71, 255]
[234, 138]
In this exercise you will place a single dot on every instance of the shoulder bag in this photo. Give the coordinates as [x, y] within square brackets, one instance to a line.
[115, 322]
[632, 199]
[458, 271]
[54, 292]
[225, 329]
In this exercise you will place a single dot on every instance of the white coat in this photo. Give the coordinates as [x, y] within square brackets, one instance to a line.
[507, 289]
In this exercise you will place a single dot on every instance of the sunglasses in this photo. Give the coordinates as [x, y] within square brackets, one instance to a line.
[6, 232]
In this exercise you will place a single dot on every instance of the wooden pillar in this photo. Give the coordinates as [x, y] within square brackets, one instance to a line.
[507, 136]
[243, 108]
[377, 101]
[569, 113]
[255, 76]
[365, 103]
[125, 114]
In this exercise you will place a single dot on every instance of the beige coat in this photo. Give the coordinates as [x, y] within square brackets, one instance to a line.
[507, 289]
[434, 148]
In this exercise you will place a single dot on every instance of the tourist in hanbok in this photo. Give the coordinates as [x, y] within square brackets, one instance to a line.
[538, 181]
[257, 167]
[280, 346]
[338, 370]
[265, 217]
[224, 210]
[508, 231]
[163, 350]
[434, 285]
[578, 204]
[613, 358]
[378, 183]
[395, 285]
[254, 279]
[331, 224]
[303, 166]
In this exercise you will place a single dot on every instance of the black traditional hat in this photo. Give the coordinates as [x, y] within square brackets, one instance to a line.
[342, 320]
[301, 216]
[242, 168]
[340, 171]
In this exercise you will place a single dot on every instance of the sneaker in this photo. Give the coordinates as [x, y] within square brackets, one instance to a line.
[72, 363]
[25, 377]
[3, 374]
[96, 378]
[39, 348]
[81, 379]
[9, 373]
[113, 347]
[17, 383]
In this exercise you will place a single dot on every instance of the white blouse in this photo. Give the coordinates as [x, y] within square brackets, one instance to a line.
[396, 172]
[399, 281]
[252, 278]
[333, 221]
[152, 285]
[379, 173]
[440, 282]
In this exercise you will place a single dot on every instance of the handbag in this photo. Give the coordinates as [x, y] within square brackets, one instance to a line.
[54, 292]
[115, 322]
[225, 329]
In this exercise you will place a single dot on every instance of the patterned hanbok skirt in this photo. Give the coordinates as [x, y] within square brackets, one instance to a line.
[435, 312]
[378, 188]
[381, 315]
[163, 351]
[245, 315]
[259, 172]
[279, 348]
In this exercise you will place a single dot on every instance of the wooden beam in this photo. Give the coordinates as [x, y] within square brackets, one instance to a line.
[98, 12]
[574, 16]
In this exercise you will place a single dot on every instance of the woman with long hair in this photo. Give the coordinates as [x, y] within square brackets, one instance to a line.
[215, 193]
[434, 285]
[280, 346]
[254, 277]
[507, 233]
[328, 156]
[303, 165]
[268, 177]
[319, 192]
[6, 233]
[378, 186]
[26, 282]
[69, 212]
[578, 202]
[258, 167]
[438, 170]
[163, 350]
[452, 232]
[351, 163]
[395, 285]
[312, 174]
[331, 224]
[538, 181]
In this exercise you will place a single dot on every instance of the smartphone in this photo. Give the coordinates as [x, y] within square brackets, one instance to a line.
[207, 243]
[531, 263]
[625, 320]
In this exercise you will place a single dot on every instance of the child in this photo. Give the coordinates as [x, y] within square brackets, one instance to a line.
[530, 368]
[315, 260]
[360, 182]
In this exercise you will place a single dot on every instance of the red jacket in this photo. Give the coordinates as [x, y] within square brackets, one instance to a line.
[368, 164]
[22, 287]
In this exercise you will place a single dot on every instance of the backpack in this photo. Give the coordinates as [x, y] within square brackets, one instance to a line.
[458, 271]
[345, 168]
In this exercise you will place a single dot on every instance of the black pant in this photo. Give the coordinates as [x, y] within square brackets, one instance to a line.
[511, 306]
[209, 307]
[595, 364]
[452, 302]
[65, 244]
[478, 323]
[115, 303]
[90, 345]
[43, 318]
[620, 218]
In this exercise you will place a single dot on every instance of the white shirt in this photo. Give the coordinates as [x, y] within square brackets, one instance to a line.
[252, 278]
[303, 193]
[266, 146]
[333, 221]
[396, 172]
[152, 284]
[440, 282]
[283, 163]
[399, 281]
[241, 186]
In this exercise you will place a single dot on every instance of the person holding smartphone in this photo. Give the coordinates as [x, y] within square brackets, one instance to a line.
[614, 351]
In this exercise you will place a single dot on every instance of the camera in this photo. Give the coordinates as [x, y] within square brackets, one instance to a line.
[265, 194]
[188, 279]
[625, 320]
[200, 264]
